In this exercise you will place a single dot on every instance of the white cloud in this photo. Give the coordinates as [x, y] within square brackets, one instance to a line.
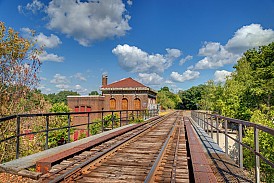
[220, 76]
[80, 77]
[150, 79]
[136, 60]
[129, 2]
[215, 56]
[247, 37]
[62, 86]
[183, 60]
[80, 89]
[59, 79]
[48, 41]
[34, 7]
[88, 21]
[187, 75]
[50, 57]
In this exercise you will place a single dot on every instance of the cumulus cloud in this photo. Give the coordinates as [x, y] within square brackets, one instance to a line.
[59, 79]
[51, 41]
[215, 56]
[183, 60]
[34, 7]
[50, 57]
[187, 75]
[220, 76]
[134, 59]
[80, 89]
[88, 21]
[247, 37]
[80, 77]
[62, 86]
[150, 79]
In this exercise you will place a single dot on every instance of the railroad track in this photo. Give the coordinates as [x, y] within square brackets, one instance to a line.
[154, 152]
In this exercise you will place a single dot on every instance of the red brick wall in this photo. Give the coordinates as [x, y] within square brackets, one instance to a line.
[88, 103]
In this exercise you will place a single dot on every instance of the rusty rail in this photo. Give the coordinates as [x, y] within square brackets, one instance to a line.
[17, 120]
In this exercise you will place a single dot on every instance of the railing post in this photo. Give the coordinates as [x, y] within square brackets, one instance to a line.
[88, 123]
[69, 128]
[120, 118]
[257, 159]
[217, 126]
[211, 123]
[207, 128]
[240, 145]
[127, 117]
[17, 137]
[226, 138]
[204, 124]
[112, 120]
[102, 121]
[47, 132]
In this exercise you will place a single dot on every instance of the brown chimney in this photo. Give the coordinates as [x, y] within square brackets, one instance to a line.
[104, 80]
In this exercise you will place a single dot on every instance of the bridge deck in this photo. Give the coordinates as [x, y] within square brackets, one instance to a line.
[219, 167]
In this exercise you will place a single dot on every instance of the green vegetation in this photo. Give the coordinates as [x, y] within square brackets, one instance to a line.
[248, 95]
[93, 93]
[60, 97]
[167, 99]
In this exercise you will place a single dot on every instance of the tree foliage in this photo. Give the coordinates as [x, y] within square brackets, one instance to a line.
[60, 97]
[167, 99]
[93, 93]
[19, 65]
[248, 95]
[191, 97]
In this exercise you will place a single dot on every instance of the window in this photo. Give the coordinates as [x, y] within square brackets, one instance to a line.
[76, 109]
[137, 104]
[124, 104]
[112, 104]
[82, 109]
[88, 109]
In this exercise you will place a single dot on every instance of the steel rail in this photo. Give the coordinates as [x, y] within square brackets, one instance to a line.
[152, 171]
[78, 167]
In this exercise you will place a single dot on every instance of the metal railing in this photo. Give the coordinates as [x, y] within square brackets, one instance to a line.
[124, 117]
[206, 120]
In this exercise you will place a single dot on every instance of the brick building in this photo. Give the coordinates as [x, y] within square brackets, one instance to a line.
[126, 94]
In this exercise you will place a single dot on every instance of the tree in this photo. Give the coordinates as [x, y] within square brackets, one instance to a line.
[191, 97]
[167, 99]
[93, 93]
[19, 65]
[60, 97]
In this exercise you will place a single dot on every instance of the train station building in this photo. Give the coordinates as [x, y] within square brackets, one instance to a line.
[126, 94]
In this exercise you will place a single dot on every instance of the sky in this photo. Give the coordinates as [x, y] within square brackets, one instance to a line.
[174, 43]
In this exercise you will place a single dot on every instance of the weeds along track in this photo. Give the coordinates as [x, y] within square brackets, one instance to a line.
[155, 151]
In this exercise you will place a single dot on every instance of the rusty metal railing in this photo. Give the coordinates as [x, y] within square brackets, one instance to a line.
[124, 115]
[205, 120]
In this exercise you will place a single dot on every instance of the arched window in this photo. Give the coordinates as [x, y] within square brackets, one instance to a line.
[112, 104]
[137, 104]
[124, 104]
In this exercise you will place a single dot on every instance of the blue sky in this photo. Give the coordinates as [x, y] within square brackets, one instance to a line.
[176, 43]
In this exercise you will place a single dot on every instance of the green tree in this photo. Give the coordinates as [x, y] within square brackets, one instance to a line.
[60, 97]
[191, 97]
[167, 99]
[58, 122]
[93, 93]
[19, 65]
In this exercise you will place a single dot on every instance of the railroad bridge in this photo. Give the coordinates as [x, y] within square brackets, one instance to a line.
[181, 146]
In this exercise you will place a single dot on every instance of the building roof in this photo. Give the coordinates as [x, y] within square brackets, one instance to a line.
[125, 83]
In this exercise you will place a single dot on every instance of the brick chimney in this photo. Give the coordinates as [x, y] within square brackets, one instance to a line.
[104, 80]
